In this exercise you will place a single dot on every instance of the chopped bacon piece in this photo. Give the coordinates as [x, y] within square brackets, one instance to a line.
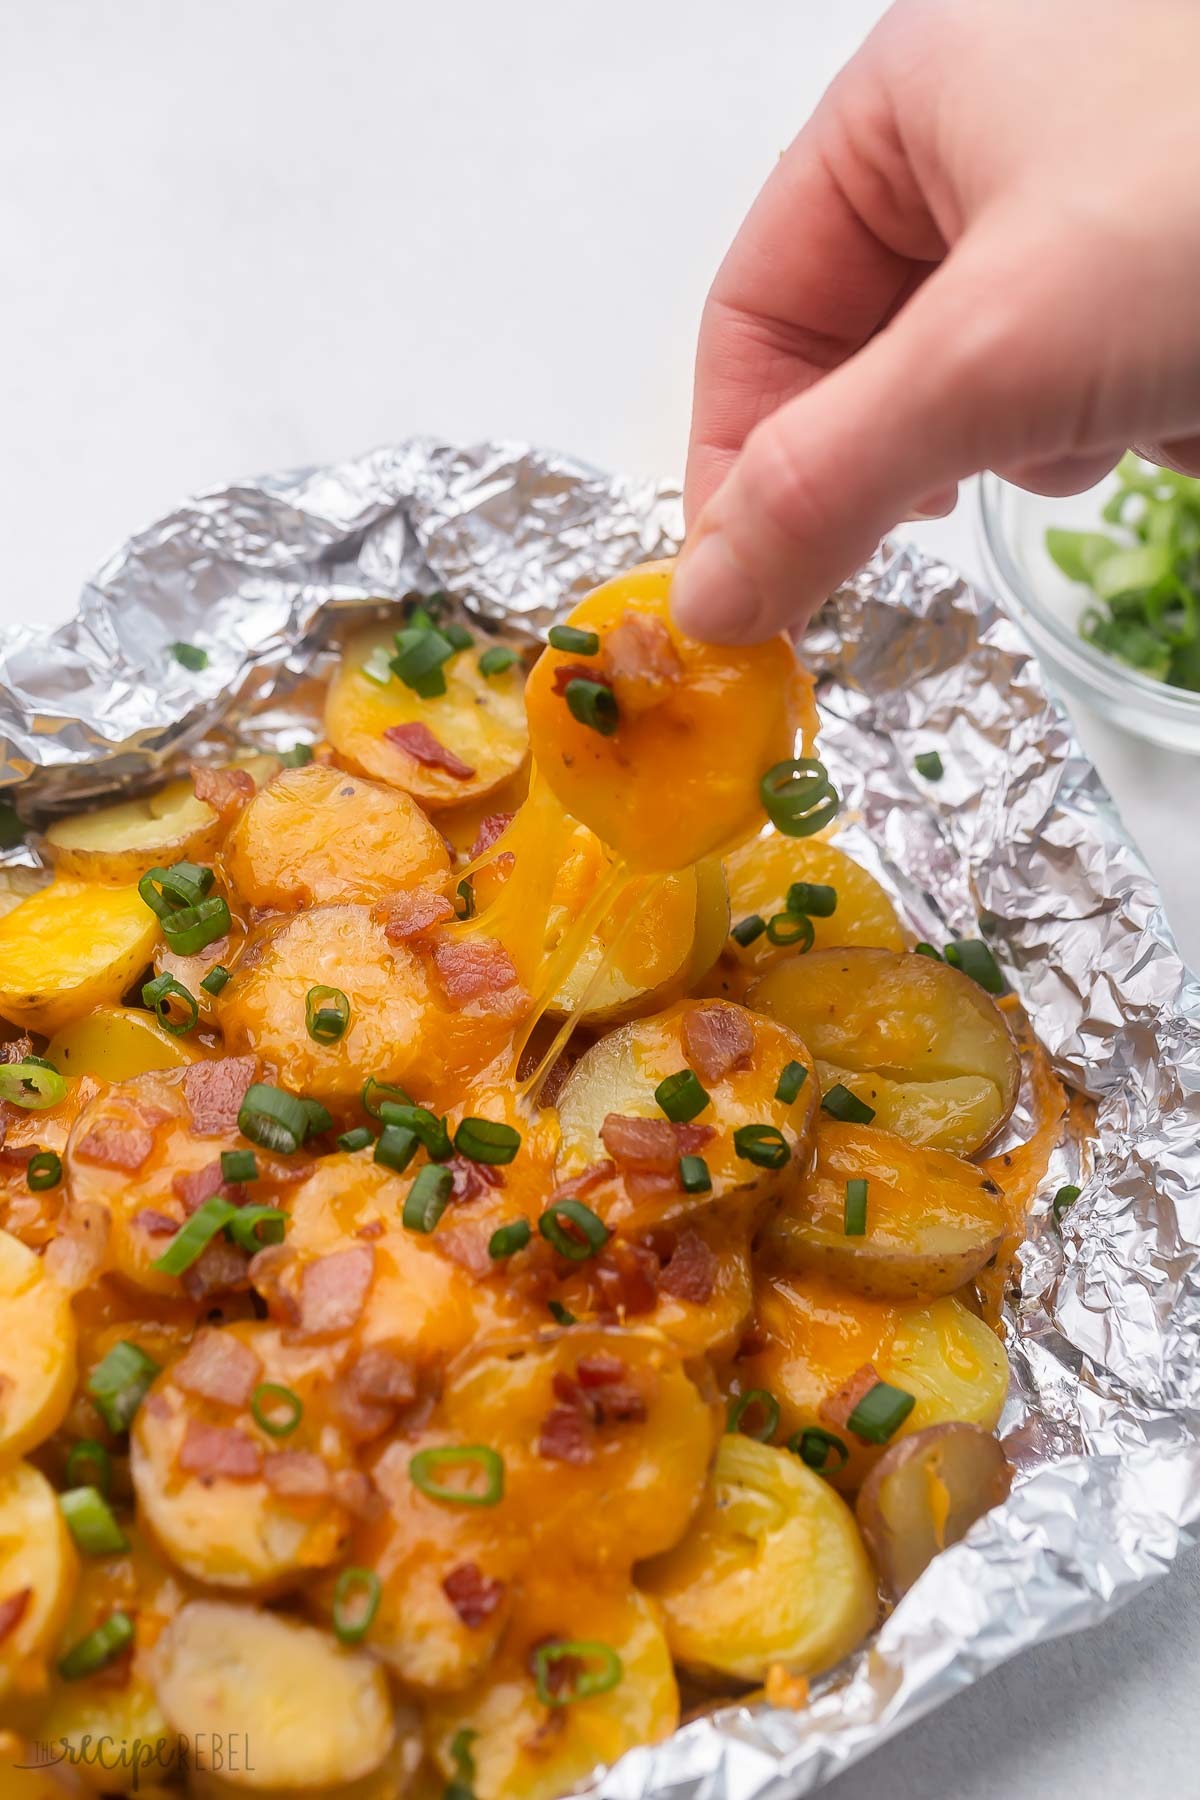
[218, 1366]
[599, 1371]
[480, 970]
[76, 1255]
[221, 1268]
[198, 1185]
[466, 1245]
[606, 1396]
[691, 1273]
[566, 1436]
[369, 1394]
[354, 1489]
[215, 1091]
[641, 662]
[374, 1228]
[471, 1178]
[274, 1276]
[419, 742]
[490, 829]
[584, 1182]
[13, 1609]
[116, 1146]
[716, 1039]
[219, 1450]
[566, 673]
[155, 1224]
[15, 1156]
[691, 1137]
[836, 1409]
[473, 1595]
[296, 1475]
[627, 1276]
[333, 1290]
[651, 1146]
[225, 790]
[407, 915]
[16, 1050]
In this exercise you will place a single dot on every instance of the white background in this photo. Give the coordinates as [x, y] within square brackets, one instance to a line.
[249, 234]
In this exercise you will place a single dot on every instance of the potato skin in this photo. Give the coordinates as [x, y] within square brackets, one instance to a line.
[36, 1552]
[37, 1350]
[924, 1494]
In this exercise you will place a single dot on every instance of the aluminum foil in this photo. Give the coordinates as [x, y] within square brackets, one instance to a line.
[1103, 1422]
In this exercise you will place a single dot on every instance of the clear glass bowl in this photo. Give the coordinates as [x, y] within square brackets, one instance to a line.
[1047, 608]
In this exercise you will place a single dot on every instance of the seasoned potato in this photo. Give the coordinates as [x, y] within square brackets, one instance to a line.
[37, 1350]
[772, 1571]
[525, 1747]
[932, 1220]
[479, 721]
[918, 1041]
[117, 1042]
[316, 835]
[618, 1076]
[71, 946]
[316, 1715]
[671, 784]
[38, 1569]
[818, 1336]
[926, 1492]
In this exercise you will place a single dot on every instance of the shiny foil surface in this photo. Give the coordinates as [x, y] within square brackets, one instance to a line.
[1019, 843]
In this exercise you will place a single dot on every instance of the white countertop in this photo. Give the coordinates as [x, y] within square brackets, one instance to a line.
[257, 234]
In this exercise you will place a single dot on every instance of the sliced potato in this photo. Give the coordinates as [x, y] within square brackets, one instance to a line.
[38, 1570]
[117, 1042]
[316, 1714]
[480, 720]
[932, 1221]
[394, 1779]
[37, 1350]
[71, 946]
[926, 1492]
[316, 835]
[619, 1075]
[772, 1571]
[920, 1042]
[523, 1747]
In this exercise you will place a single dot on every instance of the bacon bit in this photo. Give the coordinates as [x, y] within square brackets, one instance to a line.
[604, 1395]
[215, 1091]
[473, 1595]
[272, 1275]
[198, 1185]
[691, 1272]
[156, 1224]
[717, 1039]
[419, 742]
[374, 1228]
[16, 1050]
[627, 1276]
[467, 1247]
[600, 1371]
[651, 1146]
[753, 1343]
[219, 1450]
[471, 1178]
[77, 1253]
[566, 1436]
[566, 673]
[480, 969]
[641, 662]
[369, 1394]
[407, 915]
[16, 1156]
[354, 1489]
[297, 1475]
[221, 1268]
[690, 1138]
[13, 1609]
[333, 1290]
[583, 1183]
[836, 1409]
[225, 790]
[116, 1146]
[490, 829]
[218, 1366]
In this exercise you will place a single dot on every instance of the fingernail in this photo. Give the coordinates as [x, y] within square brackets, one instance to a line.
[936, 506]
[712, 596]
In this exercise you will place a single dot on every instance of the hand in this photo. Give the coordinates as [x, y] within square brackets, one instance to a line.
[982, 251]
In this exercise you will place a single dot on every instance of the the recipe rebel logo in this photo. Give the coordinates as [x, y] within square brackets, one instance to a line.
[215, 1753]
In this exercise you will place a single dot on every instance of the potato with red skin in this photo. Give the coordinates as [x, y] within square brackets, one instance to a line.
[924, 1494]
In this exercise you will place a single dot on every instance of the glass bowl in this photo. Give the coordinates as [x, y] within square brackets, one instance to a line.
[1047, 608]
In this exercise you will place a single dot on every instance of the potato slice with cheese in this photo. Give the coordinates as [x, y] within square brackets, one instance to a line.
[925, 1493]
[316, 835]
[317, 1715]
[931, 1221]
[115, 1043]
[773, 1570]
[396, 1777]
[69, 947]
[915, 1040]
[615, 1689]
[38, 1569]
[37, 1350]
[447, 751]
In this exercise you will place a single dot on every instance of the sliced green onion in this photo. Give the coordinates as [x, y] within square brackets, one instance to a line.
[929, 764]
[458, 635]
[682, 1096]
[159, 994]
[420, 618]
[273, 1119]
[1064, 1200]
[90, 1465]
[358, 1139]
[421, 661]
[32, 1084]
[813, 898]
[798, 796]
[464, 906]
[747, 929]
[791, 929]
[559, 1313]
[427, 1198]
[495, 660]
[91, 1523]
[841, 1104]
[761, 1145]
[378, 667]
[118, 1383]
[298, 757]
[928, 950]
[506, 1240]
[326, 1014]
[43, 1170]
[193, 928]
[98, 1648]
[593, 704]
[319, 1117]
[374, 1093]
[815, 1447]
[356, 1597]
[265, 1404]
[854, 1218]
[462, 1784]
[573, 641]
[694, 1175]
[425, 1126]
[428, 1468]
[974, 958]
[573, 1229]
[395, 1148]
[486, 1141]
[215, 980]
[253, 1226]
[239, 1165]
[792, 1078]
[183, 884]
[190, 656]
[193, 1237]
[880, 1413]
[582, 1683]
[12, 831]
[755, 1399]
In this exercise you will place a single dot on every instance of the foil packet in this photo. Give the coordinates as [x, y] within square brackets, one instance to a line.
[1019, 842]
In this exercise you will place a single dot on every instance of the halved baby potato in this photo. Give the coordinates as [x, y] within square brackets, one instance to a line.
[69, 947]
[317, 1715]
[479, 721]
[114, 1043]
[925, 1493]
[932, 1220]
[37, 1350]
[917, 1041]
[38, 1570]
[772, 1570]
